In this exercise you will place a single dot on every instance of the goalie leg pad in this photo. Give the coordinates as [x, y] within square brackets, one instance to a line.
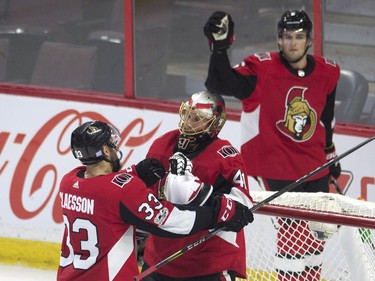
[289, 264]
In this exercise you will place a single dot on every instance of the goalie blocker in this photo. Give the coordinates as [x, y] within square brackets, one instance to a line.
[186, 189]
[181, 186]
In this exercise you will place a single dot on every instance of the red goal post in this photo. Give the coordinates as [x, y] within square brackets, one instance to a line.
[344, 227]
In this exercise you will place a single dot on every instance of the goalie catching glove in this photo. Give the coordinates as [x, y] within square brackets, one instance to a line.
[179, 164]
[219, 31]
[334, 169]
[150, 170]
[230, 214]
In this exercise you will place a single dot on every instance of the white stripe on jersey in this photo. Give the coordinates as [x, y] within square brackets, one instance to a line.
[120, 253]
[179, 221]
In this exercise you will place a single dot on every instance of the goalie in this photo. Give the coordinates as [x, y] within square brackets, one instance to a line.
[206, 166]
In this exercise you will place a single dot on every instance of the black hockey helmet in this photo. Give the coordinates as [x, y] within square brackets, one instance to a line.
[294, 20]
[87, 141]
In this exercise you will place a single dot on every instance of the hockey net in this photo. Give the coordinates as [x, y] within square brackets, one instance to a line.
[311, 236]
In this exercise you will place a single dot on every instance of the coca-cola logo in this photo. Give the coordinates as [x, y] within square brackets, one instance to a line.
[26, 182]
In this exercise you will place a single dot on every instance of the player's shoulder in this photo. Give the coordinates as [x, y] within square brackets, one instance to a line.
[72, 175]
[76, 170]
[326, 66]
[223, 149]
[126, 177]
[264, 57]
[326, 62]
[117, 182]
[170, 137]
[258, 62]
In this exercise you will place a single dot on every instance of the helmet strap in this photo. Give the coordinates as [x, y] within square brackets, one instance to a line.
[116, 164]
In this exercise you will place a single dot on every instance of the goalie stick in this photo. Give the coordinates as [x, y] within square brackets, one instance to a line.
[172, 257]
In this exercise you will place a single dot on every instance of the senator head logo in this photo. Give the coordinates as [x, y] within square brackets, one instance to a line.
[299, 121]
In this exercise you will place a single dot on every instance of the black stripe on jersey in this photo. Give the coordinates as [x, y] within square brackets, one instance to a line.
[203, 220]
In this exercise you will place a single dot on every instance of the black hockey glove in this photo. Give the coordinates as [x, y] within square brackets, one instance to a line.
[179, 164]
[230, 214]
[219, 31]
[150, 170]
[334, 169]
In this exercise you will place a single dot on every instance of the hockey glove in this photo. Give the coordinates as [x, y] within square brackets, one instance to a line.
[219, 31]
[334, 169]
[150, 170]
[179, 164]
[230, 214]
[186, 189]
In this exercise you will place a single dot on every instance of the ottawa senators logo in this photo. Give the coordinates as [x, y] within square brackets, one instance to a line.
[121, 179]
[263, 56]
[228, 151]
[300, 119]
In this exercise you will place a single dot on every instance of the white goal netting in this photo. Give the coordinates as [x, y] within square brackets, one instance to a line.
[311, 236]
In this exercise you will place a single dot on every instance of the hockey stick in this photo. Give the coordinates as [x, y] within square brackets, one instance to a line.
[172, 257]
[337, 187]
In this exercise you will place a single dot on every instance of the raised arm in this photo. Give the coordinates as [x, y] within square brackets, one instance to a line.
[221, 78]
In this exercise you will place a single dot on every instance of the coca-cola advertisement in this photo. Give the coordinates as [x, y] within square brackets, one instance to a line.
[35, 153]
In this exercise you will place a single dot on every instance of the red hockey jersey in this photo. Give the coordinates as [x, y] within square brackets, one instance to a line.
[99, 216]
[283, 117]
[220, 165]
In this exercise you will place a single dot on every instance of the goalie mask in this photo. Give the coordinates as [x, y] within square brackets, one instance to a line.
[201, 119]
[87, 141]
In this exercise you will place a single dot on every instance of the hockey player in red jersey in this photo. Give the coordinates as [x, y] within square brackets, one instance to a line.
[213, 161]
[102, 205]
[287, 119]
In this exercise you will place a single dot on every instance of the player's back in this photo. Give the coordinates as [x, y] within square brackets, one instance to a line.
[97, 244]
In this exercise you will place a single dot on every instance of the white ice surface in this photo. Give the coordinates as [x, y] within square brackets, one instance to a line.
[20, 273]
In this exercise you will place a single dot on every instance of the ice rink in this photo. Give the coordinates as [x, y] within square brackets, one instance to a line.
[20, 273]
